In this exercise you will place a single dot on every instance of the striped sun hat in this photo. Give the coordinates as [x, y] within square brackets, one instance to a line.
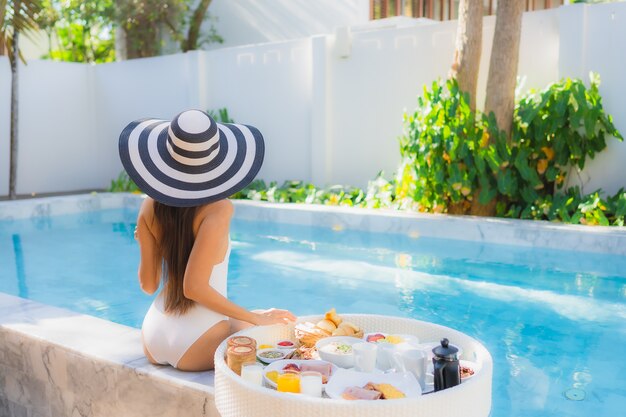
[191, 160]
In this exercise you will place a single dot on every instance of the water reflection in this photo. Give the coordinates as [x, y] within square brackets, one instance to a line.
[19, 266]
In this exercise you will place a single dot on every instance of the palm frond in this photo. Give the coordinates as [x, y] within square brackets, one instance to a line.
[24, 20]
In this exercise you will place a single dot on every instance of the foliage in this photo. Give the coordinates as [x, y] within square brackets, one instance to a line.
[144, 22]
[301, 192]
[568, 207]
[82, 30]
[25, 21]
[220, 115]
[451, 155]
[555, 131]
[123, 184]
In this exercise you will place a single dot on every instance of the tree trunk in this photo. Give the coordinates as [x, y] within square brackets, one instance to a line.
[191, 43]
[14, 109]
[503, 66]
[468, 48]
[469, 39]
[502, 77]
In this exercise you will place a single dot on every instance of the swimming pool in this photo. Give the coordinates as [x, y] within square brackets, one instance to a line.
[554, 321]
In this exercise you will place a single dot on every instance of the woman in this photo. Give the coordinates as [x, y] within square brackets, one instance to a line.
[187, 168]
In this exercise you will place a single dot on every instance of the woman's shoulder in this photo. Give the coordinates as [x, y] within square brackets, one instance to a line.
[146, 213]
[221, 210]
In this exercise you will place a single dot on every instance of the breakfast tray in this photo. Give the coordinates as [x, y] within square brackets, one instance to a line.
[235, 397]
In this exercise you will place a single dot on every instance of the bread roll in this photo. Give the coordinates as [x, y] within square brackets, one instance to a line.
[333, 316]
[347, 328]
[341, 332]
[326, 325]
[354, 327]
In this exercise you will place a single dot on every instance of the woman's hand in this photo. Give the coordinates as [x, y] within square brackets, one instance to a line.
[273, 316]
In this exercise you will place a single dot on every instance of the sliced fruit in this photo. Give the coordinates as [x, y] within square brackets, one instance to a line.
[272, 376]
[393, 339]
[375, 337]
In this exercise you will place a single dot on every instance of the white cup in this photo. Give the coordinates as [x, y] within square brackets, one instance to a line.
[414, 361]
[385, 356]
[364, 356]
[311, 383]
[252, 372]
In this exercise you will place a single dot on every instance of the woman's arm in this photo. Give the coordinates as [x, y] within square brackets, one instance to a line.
[150, 262]
[212, 234]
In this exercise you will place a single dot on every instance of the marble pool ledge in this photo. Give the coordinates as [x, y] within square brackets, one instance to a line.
[57, 363]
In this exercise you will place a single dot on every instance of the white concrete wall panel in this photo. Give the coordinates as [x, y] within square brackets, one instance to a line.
[57, 139]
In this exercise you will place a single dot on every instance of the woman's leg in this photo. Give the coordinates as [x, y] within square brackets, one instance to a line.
[199, 357]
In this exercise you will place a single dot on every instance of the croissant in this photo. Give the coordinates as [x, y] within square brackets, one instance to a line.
[326, 325]
[333, 316]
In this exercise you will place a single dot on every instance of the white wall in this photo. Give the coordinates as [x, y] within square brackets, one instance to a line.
[244, 22]
[593, 39]
[56, 128]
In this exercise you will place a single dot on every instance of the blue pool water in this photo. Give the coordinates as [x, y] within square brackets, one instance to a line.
[554, 321]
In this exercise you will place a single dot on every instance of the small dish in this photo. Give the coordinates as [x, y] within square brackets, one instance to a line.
[285, 345]
[391, 338]
[471, 366]
[332, 349]
[270, 355]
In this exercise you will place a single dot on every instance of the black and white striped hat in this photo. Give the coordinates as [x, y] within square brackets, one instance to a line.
[191, 160]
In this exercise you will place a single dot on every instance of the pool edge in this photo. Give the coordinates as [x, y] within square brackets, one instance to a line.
[525, 233]
[48, 368]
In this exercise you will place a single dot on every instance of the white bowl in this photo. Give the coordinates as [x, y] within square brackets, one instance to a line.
[343, 360]
[468, 364]
[270, 360]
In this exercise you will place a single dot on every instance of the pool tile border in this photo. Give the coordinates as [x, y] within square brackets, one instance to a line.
[527, 233]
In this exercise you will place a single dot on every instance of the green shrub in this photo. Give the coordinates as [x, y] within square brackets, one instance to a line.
[449, 153]
[123, 184]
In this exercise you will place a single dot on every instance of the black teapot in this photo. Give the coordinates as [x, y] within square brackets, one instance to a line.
[446, 363]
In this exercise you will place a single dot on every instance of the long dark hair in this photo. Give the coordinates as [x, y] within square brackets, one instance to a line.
[176, 226]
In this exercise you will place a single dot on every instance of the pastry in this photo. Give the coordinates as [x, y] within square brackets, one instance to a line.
[389, 392]
[342, 332]
[327, 325]
[333, 316]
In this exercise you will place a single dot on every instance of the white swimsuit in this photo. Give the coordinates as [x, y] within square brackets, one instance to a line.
[168, 336]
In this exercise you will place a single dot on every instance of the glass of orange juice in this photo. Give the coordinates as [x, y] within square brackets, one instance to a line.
[288, 382]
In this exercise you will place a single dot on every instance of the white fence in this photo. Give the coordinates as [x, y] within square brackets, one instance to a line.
[330, 106]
